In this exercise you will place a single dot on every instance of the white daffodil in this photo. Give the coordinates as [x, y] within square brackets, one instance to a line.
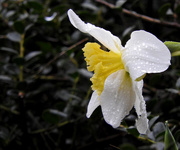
[118, 73]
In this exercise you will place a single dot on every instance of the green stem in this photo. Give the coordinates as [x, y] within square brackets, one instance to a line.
[22, 46]
[74, 87]
[21, 74]
[21, 55]
[23, 116]
[146, 139]
[88, 94]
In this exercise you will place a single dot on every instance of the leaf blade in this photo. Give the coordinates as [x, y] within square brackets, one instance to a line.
[174, 47]
[169, 141]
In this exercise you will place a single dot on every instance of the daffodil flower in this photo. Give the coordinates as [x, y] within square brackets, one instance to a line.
[118, 73]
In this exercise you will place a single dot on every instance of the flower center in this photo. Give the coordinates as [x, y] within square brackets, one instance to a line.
[103, 64]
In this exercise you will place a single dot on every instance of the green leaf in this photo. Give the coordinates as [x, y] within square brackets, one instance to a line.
[11, 69]
[50, 117]
[176, 53]
[45, 46]
[177, 135]
[14, 36]
[177, 10]
[32, 55]
[19, 26]
[152, 121]
[5, 78]
[7, 49]
[62, 8]
[19, 61]
[127, 146]
[28, 27]
[174, 47]
[10, 13]
[36, 6]
[158, 131]
[133, 131]
[163, 9]
[170, 143]
[53, 115]
[119, 3]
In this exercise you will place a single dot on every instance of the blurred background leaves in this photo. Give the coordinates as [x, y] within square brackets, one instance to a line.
[45, 86]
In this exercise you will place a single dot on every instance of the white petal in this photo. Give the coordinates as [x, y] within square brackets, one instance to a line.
[145, 53]
[105, 37]
[140, 106]
[142, 124]
[93, 104]
[117, 98]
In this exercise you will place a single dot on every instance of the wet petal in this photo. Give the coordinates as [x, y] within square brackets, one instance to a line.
[93, 104]
[105, 37]
[145, 53]
[117, 98]
[142, 124]
[140, 106]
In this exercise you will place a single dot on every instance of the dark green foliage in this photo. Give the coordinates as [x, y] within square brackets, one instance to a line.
[169, 140]
[45, 87]
[163, 9]
[174, 47]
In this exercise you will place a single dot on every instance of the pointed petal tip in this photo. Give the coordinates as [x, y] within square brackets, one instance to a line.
[113, 106]
[93, 104]
[70, 12]
[88, 115]
[142, 124]
[111, 42]
[76, 21]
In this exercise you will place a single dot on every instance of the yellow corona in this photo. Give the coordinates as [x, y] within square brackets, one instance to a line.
[103, 63]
